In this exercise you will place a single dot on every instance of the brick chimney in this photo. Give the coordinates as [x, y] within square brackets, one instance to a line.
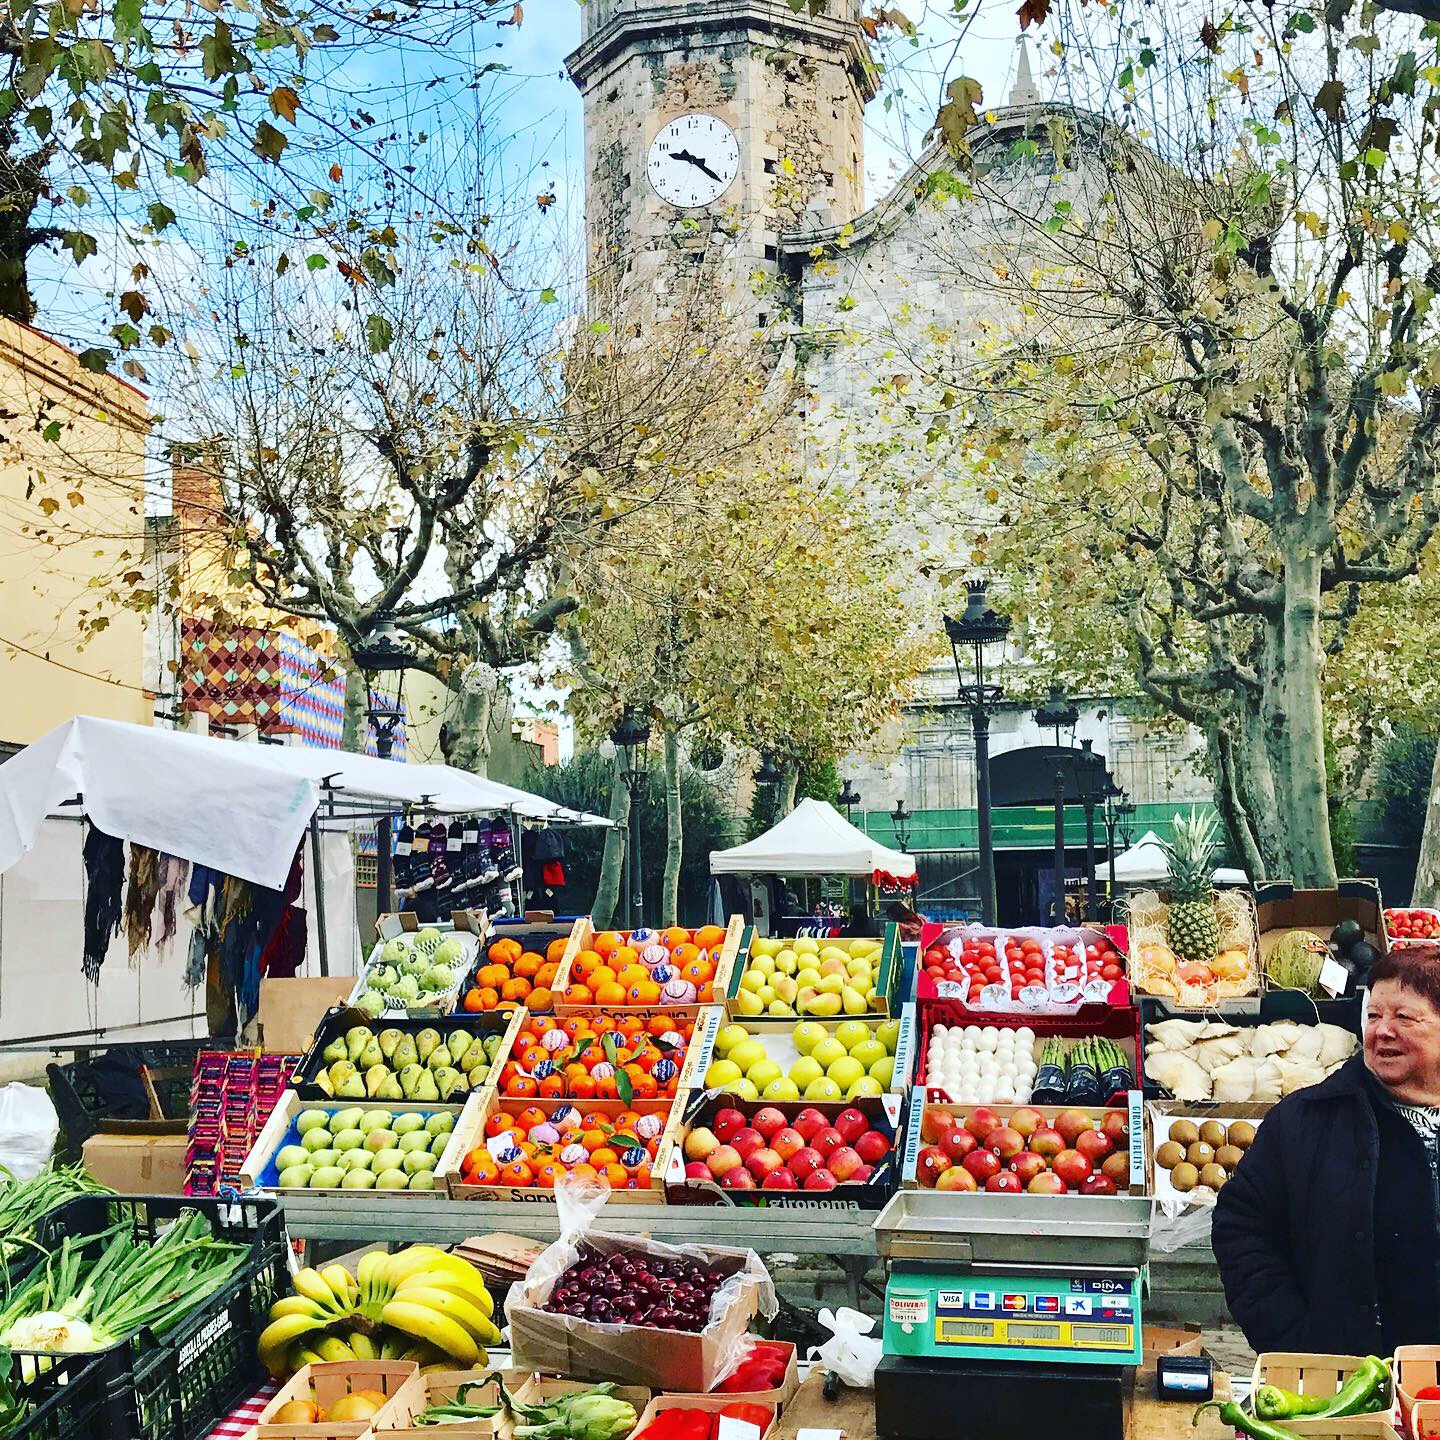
[196, 498]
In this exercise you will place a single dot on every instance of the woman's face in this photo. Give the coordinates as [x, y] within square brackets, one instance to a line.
[1402, 1038]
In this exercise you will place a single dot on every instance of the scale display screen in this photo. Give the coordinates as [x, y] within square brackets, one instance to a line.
[951, 1330]
[1021, 1333]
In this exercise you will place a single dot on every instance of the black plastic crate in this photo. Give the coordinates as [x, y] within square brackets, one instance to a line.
[181, 1386]
[75, 1398]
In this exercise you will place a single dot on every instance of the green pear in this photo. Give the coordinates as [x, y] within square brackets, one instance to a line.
[477, 1075]
[473, 1056]
[313, 1140]
[352, 1087]
[328, 1178]
[405, 1053]
[375, 1077]
[356, 1040]
[459, 1040]
[374, 1120]
[492, 1046]
[438, 1144]
[358, 1180]
[425, 1180]
[395, 1179]
[410, 1120]
[347, 1119]
[425, 1086]
[409, 1078]
[450, 1082]
[319, 1159]
[413, 1140]
[440, 1058]
[390, 1090]
[382, 1140]
[335, 1050]
[371, 1055]
[390, 1158]
[355, 1160]
[349, 1140]
[419, 1160]
[389, 1039]
[288, 1156]
[296, 1177]
[340, 1072]
[426, 1041]
[322, 1083]
[441, 1124]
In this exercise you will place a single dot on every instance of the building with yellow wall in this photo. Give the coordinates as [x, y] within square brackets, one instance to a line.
[72, 539]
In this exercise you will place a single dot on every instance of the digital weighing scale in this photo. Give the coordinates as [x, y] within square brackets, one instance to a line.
[1002, 1312]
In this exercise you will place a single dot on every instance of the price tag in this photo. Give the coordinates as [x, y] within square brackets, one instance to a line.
[730, 1428]
[453, 844]
[1334, 977]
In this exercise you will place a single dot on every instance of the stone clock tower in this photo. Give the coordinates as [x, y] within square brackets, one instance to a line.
[717, 123]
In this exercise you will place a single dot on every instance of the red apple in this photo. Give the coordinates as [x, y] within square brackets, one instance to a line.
[1006, 1180]
[957, 1177]
[1094, 1145]
[807, 1161]
[1046, 1183]
[864, 1173]
[747, 1141]
[820, 1180]
[1116, 1125]
[768, 1121]
[934, 1123]
[1047, 1142]
[1070, 1123]
[781, 1179]
[844, 1163]
[1027, 1165]
[727, 1122]
[1072, 1167]
[982, 1164]
[1117, 1167]
[698, 1170]
[957, 1143]
[852, 1124]
[1026, 1121]
[930, 1163]
[1097, 1185]
[700, 1142]
[873, 1146]
[723, 1160]
[787, 1142]
[761, 1162]
[981, 1122]
[808, 1122]
[828, 1140]
[1005, 1142]
[738, 1179]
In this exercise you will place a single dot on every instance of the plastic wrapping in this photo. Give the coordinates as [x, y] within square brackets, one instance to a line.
[28, 1129]
[849, 1353]
[686, 1361]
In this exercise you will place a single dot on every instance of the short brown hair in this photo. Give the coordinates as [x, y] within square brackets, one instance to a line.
[1416, 967]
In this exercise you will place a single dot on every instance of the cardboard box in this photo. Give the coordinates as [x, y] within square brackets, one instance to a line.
[582, 937]
[1160, 1116]
[1306, 1374]
[661, 1360]
[887, 979]
[780, 1396]
[138, 1164]
[291, 1009]
[1161, 1340]
[1280, 907]
[325, 1384]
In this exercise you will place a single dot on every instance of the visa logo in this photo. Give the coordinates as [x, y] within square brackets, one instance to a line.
[1014, 1302]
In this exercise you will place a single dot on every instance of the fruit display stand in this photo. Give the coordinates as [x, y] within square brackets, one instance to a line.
[830, 960]
[1157, 969]
[1221, 1134]
[985, 969]
[466, 933]
[676, 977]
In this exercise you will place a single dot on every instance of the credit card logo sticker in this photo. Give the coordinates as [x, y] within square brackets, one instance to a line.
[1047, 1304]
[1014, 1302]
[1077, 1304]
[982, 1300]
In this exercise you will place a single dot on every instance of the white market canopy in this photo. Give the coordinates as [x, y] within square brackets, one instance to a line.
[1145, 861]
[235, 807]
[813, 839]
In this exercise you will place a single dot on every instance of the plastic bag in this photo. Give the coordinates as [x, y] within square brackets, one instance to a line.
[29, 1127]
[687, 1361]
[849, 1353]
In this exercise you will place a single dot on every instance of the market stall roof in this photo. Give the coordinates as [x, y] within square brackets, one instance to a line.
[813, 839]
[238, 808]
[1145, 861]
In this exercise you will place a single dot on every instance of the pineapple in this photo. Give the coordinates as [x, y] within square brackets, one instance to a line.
[1194, 930]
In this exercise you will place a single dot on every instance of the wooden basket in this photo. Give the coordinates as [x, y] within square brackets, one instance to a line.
[1358, 1427]
[712, 1403]
[1416, 1366]
[436, 1387]
[1421, 1418]
[1306, 1374]
[328, 1382]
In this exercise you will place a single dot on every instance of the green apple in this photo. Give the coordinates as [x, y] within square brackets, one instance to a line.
[782, 1089]
[807, 1035]
[747, 1053]
[827, 1052]
[887, 1032]
[744, 1088]
[806, 1070]
[823, 1089]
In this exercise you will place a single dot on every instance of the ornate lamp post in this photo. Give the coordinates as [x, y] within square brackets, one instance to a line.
[971, 638]
[1059, 714]
[848, 798]
[1093, 778]
[900, 818]
[630, 738]
[1113, 794]
[383, 653]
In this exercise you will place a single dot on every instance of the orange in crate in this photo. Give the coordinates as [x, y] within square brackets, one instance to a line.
[621, 968]
[583, 1057]
[510, 976]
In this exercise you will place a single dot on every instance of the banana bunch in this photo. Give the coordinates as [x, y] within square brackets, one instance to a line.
[421, 1304]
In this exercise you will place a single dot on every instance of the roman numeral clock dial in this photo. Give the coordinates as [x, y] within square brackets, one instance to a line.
[693, 161]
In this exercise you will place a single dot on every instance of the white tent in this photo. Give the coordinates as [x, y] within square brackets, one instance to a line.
[1144, 862]
[238, 808]
[813, 839]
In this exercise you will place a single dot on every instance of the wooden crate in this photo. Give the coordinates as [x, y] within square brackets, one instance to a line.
[1306, 1374]
[1416, 1366]
[712, 1403]
[582, 939]
[436, 1387]
[327, 1383]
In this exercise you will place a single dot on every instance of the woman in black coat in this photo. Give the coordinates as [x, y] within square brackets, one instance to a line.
[1328, 1234]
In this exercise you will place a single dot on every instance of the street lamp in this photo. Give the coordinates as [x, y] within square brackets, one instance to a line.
[1113, 794]
[848, 798]
[900, 818]
[1058, 713]
[769, 772]
[975, 632]
[383, 653]
[630, 739]
[1093, 777]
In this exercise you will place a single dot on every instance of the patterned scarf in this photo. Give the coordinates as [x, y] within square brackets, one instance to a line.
[104, 860]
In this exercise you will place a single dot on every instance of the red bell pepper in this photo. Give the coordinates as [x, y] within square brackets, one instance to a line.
[679, 1424]
[763, 1368]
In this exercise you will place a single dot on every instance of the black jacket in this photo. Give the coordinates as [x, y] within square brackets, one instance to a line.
[1297, 1234]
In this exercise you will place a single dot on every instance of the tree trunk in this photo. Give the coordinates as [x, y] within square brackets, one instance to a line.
[607, 888]
[352, 735]
[785, 799]
[674, 833]
[1427, 874]
[1298, 730]
[1233, 811]
[465, 735]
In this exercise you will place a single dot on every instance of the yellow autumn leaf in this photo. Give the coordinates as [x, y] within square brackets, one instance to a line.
[1398, 232]
[1392, 382]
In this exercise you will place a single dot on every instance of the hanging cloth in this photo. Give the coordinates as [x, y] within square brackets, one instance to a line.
[284, 951]
[104, 861]
[141, 892]
[173, 871]
[202, 910]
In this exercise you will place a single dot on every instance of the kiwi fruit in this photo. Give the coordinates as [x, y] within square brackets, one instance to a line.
[1213, 1175]
[1199, 1154]
[1184, 1131]
[1212, 1132]
[1184, 1176]
[1169, 1155]
[1241, 1134]
[1228, 1155]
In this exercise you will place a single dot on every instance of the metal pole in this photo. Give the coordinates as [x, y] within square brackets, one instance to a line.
[1110, 855]
[980, 721]
[318, 861]
[1092, 897]
[1058, 904]
[383, 857]
[637, 891]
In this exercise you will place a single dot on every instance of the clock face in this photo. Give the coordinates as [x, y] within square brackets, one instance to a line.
[693, 160]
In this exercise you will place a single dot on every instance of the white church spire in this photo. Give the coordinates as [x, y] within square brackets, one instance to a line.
[1023, 92]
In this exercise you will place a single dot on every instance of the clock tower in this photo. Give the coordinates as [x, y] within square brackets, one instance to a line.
[717, 124]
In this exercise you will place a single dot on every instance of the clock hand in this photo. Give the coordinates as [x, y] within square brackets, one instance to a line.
[696, 161]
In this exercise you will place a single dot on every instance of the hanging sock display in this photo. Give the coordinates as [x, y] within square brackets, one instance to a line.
[104, 860]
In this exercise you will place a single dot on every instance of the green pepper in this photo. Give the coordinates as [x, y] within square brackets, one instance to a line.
[1366, 1390]
[1273, 1403]
[1232, 1415]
